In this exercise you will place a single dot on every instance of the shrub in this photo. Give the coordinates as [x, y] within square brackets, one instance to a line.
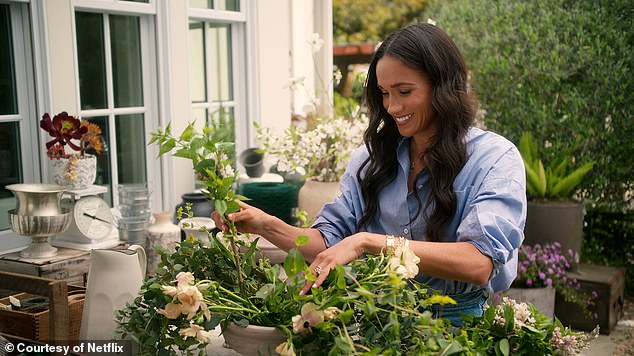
[559, 69]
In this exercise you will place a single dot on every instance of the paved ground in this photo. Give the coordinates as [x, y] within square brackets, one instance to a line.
[619, 342]
[621, 338]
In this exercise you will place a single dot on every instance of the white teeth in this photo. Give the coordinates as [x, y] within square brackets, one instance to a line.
[403, 119]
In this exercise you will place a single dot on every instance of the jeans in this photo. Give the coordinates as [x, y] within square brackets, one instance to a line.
[467, 303]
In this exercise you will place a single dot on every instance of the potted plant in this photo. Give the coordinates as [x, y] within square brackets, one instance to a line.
[76, 169]
[370, 305]
[554, 215]
[542, 272]
[320, 153]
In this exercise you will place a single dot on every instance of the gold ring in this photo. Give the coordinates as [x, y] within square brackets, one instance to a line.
[318, 270]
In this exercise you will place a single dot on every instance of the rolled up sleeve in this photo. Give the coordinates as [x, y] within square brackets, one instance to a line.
[495, 218]
[339, 218]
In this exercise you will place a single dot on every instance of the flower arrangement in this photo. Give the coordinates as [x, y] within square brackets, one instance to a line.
[79, 135]
[66, 130]
[369, 306]
[513, 328]
[320, 152]
[548, 266]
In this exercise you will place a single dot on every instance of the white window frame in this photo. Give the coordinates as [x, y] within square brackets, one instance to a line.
[244, 78]
[27, 116]
[145, 13]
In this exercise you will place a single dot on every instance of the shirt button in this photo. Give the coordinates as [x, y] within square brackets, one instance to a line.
[406, 231]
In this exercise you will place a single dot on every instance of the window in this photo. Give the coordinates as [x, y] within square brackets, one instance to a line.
[218, 84]
[114, 90]
[18, 122]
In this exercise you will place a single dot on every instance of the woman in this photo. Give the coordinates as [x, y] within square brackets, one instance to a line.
[456, 192]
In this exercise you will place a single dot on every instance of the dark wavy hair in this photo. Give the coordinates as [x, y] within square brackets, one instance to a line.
[429, 50]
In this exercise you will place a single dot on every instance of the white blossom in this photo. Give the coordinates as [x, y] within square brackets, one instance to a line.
[316, 42]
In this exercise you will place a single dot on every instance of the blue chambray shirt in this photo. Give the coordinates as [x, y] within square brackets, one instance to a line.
[490, 214]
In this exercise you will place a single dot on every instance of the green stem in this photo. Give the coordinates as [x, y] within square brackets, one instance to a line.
[236, 255]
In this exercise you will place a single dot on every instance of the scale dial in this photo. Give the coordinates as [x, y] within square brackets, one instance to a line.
[93, 217]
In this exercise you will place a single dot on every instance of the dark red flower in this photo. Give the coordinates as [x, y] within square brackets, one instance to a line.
[63, 128]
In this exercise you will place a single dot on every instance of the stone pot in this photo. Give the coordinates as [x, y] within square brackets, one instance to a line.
[252, 340]
[74, 173]
[252, 161]
[548, 222]
[201, 206]
[313, 195]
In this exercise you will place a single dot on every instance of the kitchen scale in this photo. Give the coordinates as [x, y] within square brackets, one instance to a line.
[92, 223]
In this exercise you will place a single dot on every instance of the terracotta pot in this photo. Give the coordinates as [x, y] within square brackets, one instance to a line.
[556, 221]
[542, 298]
[252, 340]
[313, 195]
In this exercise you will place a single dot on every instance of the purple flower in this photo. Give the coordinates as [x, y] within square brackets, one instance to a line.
[529, 282]
[549, 282]
[542, 276]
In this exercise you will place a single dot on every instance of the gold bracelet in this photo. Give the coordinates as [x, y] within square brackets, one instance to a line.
[389, 245]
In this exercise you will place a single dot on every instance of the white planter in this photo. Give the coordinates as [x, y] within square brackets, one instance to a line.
[313, 195]
[74, 173]
[252, 340]
[164, 234]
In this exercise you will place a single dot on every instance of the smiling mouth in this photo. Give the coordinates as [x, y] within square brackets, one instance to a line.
[402, 119]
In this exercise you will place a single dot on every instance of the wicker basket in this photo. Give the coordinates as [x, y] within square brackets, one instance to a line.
[35, 325]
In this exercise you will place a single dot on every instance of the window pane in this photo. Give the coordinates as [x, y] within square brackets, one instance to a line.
[10, 168]
[131, 148]
[8, 102]
[126, 61]
[220, 62]
[92, 63]
[205, 4]
[197, 72]
[222, 120]
[229, 5]
[199, 115]
[103, 159]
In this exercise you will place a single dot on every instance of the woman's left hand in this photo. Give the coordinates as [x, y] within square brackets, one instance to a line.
[343, 252]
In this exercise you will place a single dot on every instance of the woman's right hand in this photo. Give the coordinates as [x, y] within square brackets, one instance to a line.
[248, 219]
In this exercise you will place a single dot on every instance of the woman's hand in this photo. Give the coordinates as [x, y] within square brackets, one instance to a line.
[344, 252]
[248, 219]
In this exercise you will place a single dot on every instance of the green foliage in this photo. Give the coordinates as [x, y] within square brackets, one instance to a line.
[559, 69]
[513, 328]
[609, 240]
[556, 180]
[361, 21]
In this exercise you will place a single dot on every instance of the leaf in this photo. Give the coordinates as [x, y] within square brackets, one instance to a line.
[221, 207]
[542, 178]
[504, 347]
[571, 181]
[167, 146]
[294, 262]
[452, 348]
[533, 183]
[232, 207]
[265, 291]
[188, 133]
[301, 240]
